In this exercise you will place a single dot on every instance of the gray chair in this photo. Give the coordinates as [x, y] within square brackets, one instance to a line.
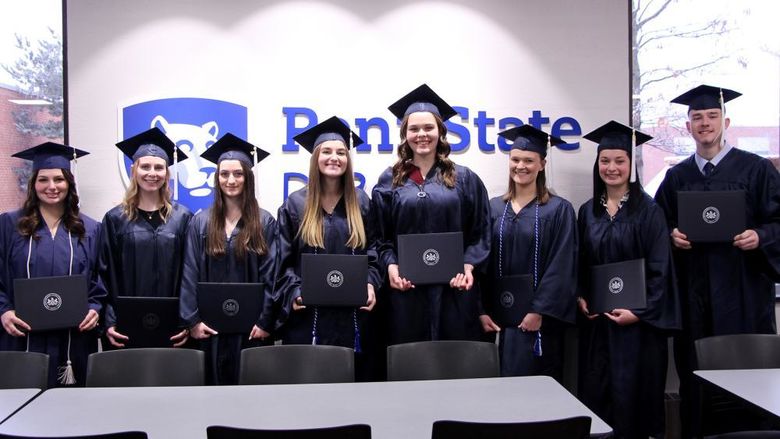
[436, 360]
[720, 411]
[738, 351]
[297, 364]
[356, 431]
[119, 435]
[146, 367]
[569, 428]
[20, 370]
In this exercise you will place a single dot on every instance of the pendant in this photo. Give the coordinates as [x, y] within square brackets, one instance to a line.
[421, 194]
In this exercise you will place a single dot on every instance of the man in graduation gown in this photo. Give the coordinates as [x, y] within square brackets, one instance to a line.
[726, 288]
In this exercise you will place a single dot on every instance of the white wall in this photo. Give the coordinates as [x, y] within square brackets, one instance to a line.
[351, 58]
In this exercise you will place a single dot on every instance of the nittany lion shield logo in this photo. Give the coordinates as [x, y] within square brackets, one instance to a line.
[710, 215]
[430, 256]
[52, 301]
[615, 285]
[230, 307]
[193, 124]
[335, 279]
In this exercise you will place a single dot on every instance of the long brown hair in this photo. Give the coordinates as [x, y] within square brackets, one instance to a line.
[311, 229]
[250, 237]
[31, 218]
[542, 192]
[403, 166]
[132, 195]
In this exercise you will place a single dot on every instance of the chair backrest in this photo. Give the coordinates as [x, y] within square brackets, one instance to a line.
[356, 431]
[119, 435]
[569, 428]
[20, 370]
[435, 360]
[297, 364]
[739, 351]
[146, 367]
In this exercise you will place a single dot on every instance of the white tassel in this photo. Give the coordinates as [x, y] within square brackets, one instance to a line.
[633, 155]
[722, 120]
[175, 174]
[548, 166]
[65, 373]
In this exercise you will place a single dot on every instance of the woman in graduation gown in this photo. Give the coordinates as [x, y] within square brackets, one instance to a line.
[623, 353]
[145, 232]
[48, 236]
[327, 216]
[534, 234]
[425, 192]
[234, 241]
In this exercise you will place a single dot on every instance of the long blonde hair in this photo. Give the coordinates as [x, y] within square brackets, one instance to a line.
[311, 229]
[132, 196]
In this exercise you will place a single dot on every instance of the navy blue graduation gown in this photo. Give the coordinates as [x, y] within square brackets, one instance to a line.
[335, 325]
[623, 368]
[724, 290]
[554, 297]
[434, 312]
[137, 259]
[223, 351]
[51, 257]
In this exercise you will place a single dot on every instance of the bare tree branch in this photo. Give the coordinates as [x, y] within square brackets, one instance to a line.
[658, 12]
[681, 72]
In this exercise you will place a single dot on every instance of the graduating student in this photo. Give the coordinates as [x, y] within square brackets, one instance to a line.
[727, 288]
[425, 192]
[533, 233]
[48, 236]
[146, 232]
[328, 216]
[623, 353]
[234, 240]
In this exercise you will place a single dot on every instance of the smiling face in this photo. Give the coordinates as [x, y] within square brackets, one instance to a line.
[151, 173]
[614, 168]
[422, 133]
[332, 159]
[705, 127]
[51, 187]
[231, 178]
[524, 166]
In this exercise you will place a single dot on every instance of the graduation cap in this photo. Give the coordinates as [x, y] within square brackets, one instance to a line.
[528, 138]
[151, 143]
[615, 135]
[422, 98]
[330, 129]
[50, 155]
[231, 147]
[705, 97]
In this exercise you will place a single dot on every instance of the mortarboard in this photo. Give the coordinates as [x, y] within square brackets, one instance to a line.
[154, 143]
[615, 135]
[528, 138]
[230, 147]
[330, 129]
[50, 155]
[422, 98]
[705, 97]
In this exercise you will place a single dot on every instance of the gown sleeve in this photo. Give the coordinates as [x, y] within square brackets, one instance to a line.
[476, 221]
[267, 273]
[194, 255]
[382, 204]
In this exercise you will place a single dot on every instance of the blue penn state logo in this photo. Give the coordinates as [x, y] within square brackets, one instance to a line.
[194, 124]
[710, 215]
[52, 301]
[615, 285]
[335, 279]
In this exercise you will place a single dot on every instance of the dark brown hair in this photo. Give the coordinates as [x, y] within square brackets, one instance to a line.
[31, 218]
[403, 166]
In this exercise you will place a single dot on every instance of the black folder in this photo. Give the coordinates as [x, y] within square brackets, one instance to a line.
[230, 308]
[47, 303]
[430, 258]
[618, 285]
[334, 280]
[711, 216]
[148, 322]
[512, 299]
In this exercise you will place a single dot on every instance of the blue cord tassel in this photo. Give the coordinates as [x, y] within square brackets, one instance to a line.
[538, 344]
[357, 332]
[314, 329]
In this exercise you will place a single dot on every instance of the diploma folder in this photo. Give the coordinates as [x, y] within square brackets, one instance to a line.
[148, 322]
[430, 258]
[618, 285]
[47, 303]
[711, 216]
[230, 308]
[334, 280]
[512, 299]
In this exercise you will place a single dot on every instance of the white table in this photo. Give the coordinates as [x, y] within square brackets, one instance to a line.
[760, 387]
[403, 409]
[12, 399]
